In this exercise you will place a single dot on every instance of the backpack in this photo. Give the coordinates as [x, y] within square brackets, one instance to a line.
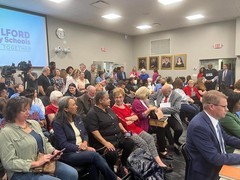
[143, 167]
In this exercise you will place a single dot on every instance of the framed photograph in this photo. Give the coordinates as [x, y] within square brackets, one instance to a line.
[180, 61]
[166, 62]
[153, 62]
[142, 63]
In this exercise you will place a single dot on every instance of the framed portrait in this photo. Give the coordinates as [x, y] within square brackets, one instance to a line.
[180, 61]
[166, 62]
[142, 63]
[153, 62]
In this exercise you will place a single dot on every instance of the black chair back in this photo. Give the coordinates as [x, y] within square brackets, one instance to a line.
[187, 158]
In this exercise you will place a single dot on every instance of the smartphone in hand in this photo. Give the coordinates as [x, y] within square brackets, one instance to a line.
[55, 155]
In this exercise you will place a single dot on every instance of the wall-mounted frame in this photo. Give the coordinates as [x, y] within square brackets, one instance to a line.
[142, 63]
[153, 62]
[180, 61]
[166, 62]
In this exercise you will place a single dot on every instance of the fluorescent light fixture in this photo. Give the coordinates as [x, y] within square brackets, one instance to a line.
[167, 2]
[57, 1]
[196, 16]
[111, 16]
[144, 27]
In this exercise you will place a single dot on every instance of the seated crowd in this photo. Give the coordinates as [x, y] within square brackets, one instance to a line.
[98, 118]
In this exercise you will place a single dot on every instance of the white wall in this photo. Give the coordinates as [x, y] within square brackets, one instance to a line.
[197, 42]
[86, 43]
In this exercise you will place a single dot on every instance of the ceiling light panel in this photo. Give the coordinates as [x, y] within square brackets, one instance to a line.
[168, 2]
[144, 27]
[196, 16]
[111, 16]
[57, 1]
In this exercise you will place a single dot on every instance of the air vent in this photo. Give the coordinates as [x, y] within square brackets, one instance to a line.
[161, 46]
[100, 4]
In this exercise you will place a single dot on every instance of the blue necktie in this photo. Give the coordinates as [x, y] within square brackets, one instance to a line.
[221, 141]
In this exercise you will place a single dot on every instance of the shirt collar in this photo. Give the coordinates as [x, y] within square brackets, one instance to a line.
[213, 120]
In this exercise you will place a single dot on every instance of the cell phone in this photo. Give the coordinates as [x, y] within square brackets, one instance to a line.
[58, 153]
[128, 134]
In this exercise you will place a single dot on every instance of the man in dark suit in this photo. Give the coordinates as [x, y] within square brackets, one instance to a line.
[121, 75]
[206, 140]
[172, 101]
[225, 77]
[86, 101]
[87, 73]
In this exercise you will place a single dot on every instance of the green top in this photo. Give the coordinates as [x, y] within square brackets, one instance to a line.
[18, 149]
[231, 125]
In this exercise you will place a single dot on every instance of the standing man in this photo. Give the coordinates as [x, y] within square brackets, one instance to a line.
[43, 81]
[93, 74]
[31, 79]
[206, 140]
[52, 66]
[121, 75]
[87, 74]
[225, 77]
[211, 76]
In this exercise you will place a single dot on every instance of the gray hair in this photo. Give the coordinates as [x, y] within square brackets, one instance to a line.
[55, 95]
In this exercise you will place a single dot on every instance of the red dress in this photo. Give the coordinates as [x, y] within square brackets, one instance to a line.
[122, 114]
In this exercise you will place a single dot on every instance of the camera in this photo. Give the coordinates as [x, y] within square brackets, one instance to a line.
[7, 71]
[24, 66]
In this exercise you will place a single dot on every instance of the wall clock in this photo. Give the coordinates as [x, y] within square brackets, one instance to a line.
[60, 33]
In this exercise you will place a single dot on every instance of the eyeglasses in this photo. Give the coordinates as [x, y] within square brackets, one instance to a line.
[225, 107]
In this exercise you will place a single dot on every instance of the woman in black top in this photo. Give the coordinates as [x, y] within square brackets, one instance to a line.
[72, 91]
[105, 135]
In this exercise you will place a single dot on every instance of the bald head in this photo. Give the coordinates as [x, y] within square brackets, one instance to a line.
[91, 91]
[166, 90]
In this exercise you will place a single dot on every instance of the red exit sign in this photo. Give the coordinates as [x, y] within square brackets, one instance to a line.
[217, 46]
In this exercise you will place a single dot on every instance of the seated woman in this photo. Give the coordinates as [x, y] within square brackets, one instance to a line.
[70, 133]
[141, 109]
[231, 122]
[72, 91]
[22, 140]
[128, 118]
[105, 134]
[187, 107]
[191, 91]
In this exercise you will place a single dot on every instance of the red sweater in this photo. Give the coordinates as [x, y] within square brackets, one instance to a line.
[187, 91]
[122, 115]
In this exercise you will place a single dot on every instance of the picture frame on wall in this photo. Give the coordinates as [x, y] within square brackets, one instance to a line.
[153, 62]
[166, 62]
[142, 63]
[180, 61]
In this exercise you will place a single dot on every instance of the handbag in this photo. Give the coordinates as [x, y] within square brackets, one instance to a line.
[47, 168]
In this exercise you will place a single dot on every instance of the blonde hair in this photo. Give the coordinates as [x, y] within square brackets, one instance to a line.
[142, 93]
[212, 97]
[117, 91]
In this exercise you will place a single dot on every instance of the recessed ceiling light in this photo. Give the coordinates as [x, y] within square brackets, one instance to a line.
[144, 27]
[57, 1]
[111, 16]
[167, 2]
[196, 16]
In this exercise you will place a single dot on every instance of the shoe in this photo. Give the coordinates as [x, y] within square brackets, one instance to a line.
[165, 156]
[168, 168]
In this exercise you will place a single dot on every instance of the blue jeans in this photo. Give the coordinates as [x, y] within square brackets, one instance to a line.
[190, 110]
[63, 171]
[93, 160]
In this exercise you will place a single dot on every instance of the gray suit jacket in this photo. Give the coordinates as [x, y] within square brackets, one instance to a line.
[175, 100]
